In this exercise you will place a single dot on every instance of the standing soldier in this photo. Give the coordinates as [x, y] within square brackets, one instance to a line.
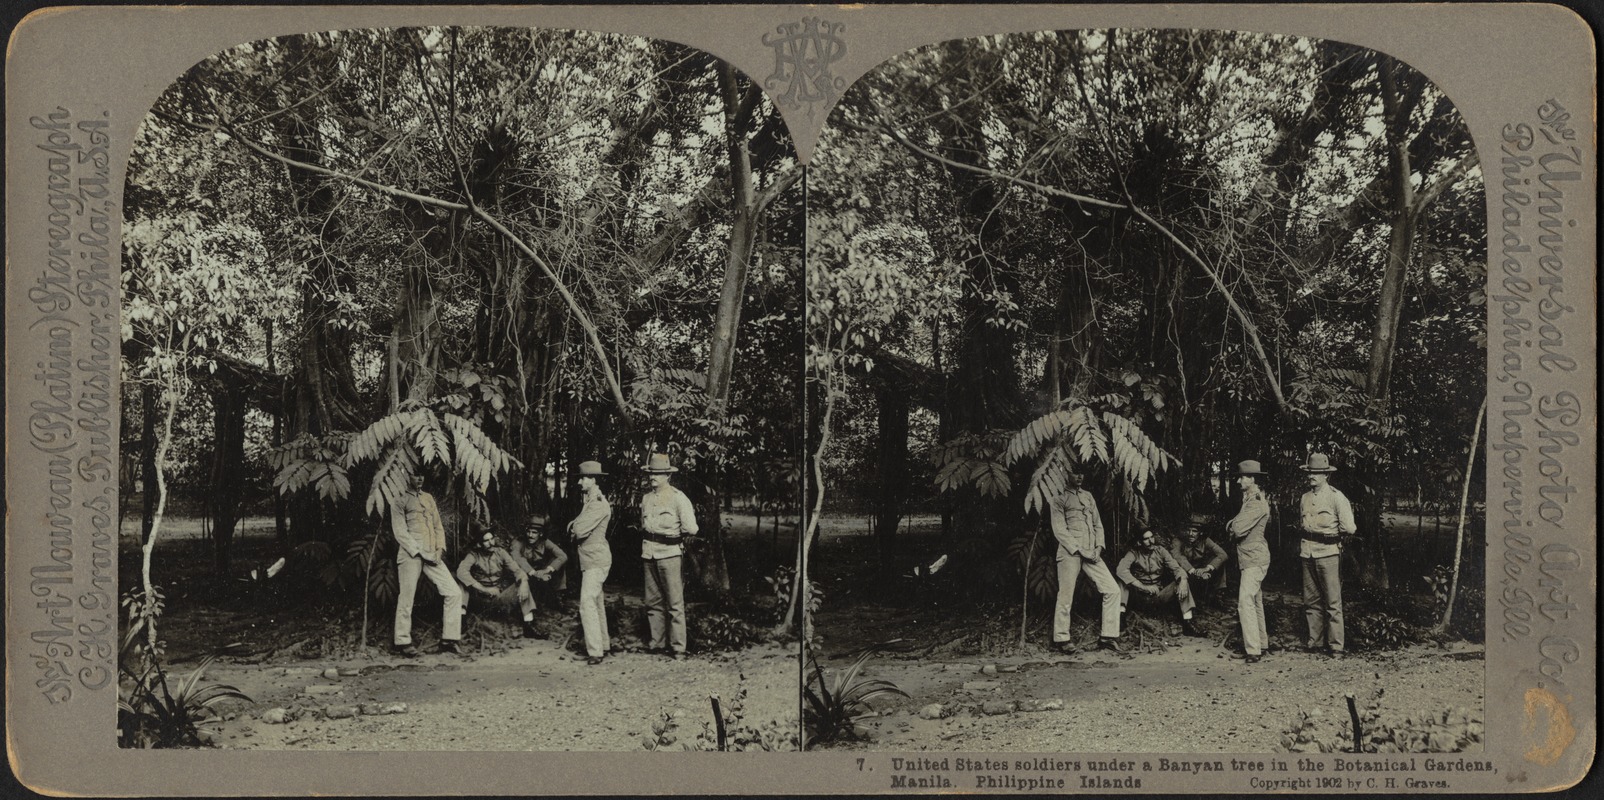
[1079, 531]
[589, 531]
[1253, 560]
[666, 519]
[420, 545]
[1326, 517]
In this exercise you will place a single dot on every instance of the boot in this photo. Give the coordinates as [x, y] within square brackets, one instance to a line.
[531, 632]
[448, 646]
[1189, 627]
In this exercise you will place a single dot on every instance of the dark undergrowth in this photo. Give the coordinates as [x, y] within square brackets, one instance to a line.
[296, 615]
[972, 607]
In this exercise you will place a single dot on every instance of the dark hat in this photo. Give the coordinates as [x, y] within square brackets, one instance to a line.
[1318, 462]
[591, 469]
[535, 525]
[1249, 467]
[658, 464]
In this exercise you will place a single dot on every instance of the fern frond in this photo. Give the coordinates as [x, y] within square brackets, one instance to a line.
[1029, 439]
[431, 439]
[1091, 443]
[395, 469]
[332, 482]
[295, 475]
[478, 458]
[1048, 483]
[372, 441]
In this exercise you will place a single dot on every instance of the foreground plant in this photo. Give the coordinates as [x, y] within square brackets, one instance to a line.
[835, 705]
[153, 711]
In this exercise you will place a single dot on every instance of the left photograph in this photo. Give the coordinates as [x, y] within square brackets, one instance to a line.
[460, 399]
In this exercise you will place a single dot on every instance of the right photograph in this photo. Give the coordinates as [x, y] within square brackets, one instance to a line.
[1146, 376]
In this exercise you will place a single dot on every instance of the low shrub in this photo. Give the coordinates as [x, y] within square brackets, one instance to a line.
[1451, 730]
[155, 710]
[739, 736]
[715, 631]
[834, 705]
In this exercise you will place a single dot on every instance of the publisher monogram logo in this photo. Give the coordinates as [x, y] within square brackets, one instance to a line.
[803, 54]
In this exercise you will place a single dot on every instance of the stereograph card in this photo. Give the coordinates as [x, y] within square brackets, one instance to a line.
[784, 399]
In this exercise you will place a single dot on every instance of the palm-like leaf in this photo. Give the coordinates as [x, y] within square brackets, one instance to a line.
[834, 704]
[391, 478]
[1063, 438]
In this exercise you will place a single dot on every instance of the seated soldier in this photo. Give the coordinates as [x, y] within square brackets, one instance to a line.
[1203, 560]
[490, 575]
[542, 560]
[1153, 578]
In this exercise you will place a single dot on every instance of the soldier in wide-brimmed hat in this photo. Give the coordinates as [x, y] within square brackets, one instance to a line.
[667, 518]
[1252, 560]
[1326, 517]
[589, 531]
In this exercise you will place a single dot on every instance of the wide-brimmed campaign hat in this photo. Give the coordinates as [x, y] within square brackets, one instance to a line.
[658, 464]
[1318, 462]
[1250, 467]
[591, 469]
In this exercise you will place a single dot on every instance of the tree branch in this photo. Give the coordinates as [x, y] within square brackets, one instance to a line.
[363, 182]
[585, 323]
[772, 192]
[900, 138]
[1240, 313]
[573, 305]
[1429, 193]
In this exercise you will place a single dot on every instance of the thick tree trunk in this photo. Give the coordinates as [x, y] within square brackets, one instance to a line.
[1400, 242]
[715, 565]
[1397, 110]
[228, 473]
[738, 110]
[892, 447]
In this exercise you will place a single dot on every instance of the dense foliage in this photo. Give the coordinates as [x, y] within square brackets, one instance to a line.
[479, 255]
[1149, 255]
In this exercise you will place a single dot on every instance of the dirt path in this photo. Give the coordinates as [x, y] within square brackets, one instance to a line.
[1190, 698]
[532, 696]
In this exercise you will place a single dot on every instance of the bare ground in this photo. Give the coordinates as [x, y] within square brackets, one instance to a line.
[1170, 693]
[297, 650]
[533, 695]
[1184, 696]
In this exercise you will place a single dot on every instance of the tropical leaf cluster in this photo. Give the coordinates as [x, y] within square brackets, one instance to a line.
[834, 702]
[154, 708]
[972, 460]
[398, 445]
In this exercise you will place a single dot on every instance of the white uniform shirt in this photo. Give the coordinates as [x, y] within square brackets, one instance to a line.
[666, 512]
